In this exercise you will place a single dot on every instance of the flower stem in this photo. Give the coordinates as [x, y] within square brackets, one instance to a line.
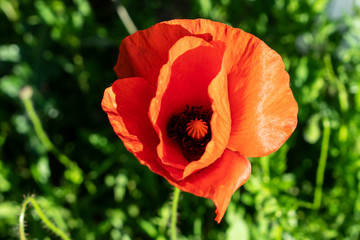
[322, 164]
[74, 173]
[43, 218]
[173, 232]
[125, 17]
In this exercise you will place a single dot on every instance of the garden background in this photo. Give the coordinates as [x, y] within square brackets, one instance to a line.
[89, 185]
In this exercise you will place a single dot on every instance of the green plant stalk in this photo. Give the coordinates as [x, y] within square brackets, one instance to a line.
[42, 216]
[322, 163]
[173, 232]
[29, 107]
[357, 203]
[125, 17]
[304, 204]
[343, 94]
[264, 161]
[49, 146]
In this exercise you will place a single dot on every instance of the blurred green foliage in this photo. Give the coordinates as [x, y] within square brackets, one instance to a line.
[65, 51]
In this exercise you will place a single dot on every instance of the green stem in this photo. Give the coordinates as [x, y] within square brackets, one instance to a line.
[340, 86]
[264, 161]
[322, 163]
[125, 17]
[173, 232]
[43, 218]
[29, 107]
[303, 204]
[75, 173]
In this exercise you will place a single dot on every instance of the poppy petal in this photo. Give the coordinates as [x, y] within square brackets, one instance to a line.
[220, 124]
[235, 39]
[219, 181]
[263, 108]
[187, 80]
[143, 53]
[128, 115]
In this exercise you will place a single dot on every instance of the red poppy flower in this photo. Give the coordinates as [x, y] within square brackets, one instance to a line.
[194, 99]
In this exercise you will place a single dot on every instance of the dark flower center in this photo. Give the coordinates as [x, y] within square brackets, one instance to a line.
[191, 130]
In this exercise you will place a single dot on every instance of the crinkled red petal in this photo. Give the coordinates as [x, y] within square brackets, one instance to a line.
[264, 111]
[126, 103]
[143, 53]
[193, 76]
[263, 108]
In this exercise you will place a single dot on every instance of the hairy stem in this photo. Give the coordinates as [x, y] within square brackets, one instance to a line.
[75, 173]
[42, 216]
